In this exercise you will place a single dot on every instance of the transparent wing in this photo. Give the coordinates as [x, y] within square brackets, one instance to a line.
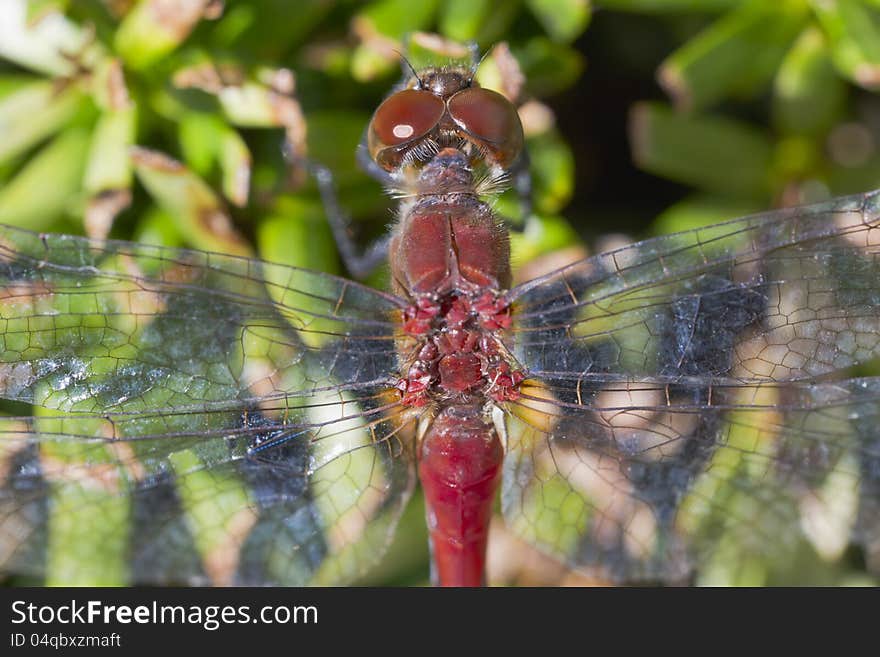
[775, 296]
[199, 418]
[90, 325]
[654, 482]
[683, 413]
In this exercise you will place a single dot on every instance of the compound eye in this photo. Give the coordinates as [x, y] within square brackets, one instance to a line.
[485, 114]
[403, 117]
[490, 118]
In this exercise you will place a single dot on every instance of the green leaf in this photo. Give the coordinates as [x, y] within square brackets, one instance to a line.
[332, 139]
[854, 32]
[714, 154]
[206, 140]
[159, 228]
[699, 211]
[346, 472]
[552, 168]
[33, 112]
[796, 158]
[549, 67]
[462, 19]
[736, 55]
[808, 94]
[265, 27]
[83, 551]
[541, 235]
[405, 563]
[368, 64]
[154, 28]
[87, 537]
[381, 26]
[297, 233]
[44, 189]
[201, 218]
[41, 45]
[108, 173]
[12, 82]
[395, 18]
[219, 509]
[88, 516]
[198, 134]
[37, 9]
[498, 23]
[670, 6]
[564, 20]
[251, 104]
[424, 50]
[109, 164]
[855, 179]
[107, 85]
[235, 164]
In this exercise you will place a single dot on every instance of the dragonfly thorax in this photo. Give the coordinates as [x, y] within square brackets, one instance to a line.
[459, 357]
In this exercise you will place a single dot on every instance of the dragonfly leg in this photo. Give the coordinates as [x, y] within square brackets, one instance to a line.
[359, 263]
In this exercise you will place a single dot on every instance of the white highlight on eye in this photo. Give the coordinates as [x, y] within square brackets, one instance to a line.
[403, 130]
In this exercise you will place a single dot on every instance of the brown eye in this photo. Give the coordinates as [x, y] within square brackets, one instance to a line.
[402, 118]
[490, 118]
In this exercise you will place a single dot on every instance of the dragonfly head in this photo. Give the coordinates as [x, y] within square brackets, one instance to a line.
[444, 107]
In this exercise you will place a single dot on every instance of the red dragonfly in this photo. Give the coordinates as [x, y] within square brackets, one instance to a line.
[647, 414]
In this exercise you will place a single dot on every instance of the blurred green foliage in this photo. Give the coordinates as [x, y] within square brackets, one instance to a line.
[166, 121]
[772, 103]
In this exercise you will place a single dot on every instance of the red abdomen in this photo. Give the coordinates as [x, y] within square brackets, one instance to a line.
[460, 469]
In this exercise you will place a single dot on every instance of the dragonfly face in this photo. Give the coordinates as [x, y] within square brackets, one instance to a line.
[680, 404]
[440, 108]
